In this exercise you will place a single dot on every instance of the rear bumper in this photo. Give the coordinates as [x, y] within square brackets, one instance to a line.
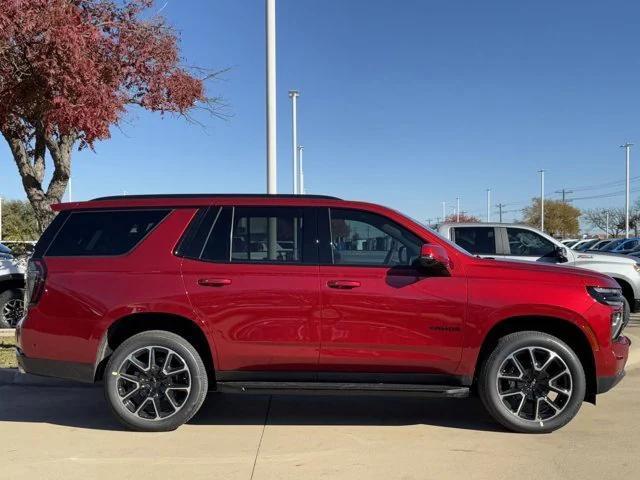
[81, 372]
[607, 383]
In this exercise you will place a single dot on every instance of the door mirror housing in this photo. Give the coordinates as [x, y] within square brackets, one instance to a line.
[434, 258]
[561, 254]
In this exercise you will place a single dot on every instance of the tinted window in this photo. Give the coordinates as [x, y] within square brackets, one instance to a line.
[363, 238]
[476, 240]
[528, 244]
[104, 232]
[267, 234]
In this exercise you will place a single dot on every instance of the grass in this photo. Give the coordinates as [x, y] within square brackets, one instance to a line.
[7, 353]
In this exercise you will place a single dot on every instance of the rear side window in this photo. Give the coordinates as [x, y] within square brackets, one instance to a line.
[476, 240]
[526, 243]
[104, 233]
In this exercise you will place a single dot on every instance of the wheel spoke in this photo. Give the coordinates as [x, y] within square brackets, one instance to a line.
[560, 390]
[131, 393]
[138, 364]
[544, 366]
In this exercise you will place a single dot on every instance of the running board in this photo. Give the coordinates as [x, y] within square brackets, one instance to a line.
[334, 388]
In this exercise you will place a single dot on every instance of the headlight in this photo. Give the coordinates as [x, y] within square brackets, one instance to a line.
[608, 296]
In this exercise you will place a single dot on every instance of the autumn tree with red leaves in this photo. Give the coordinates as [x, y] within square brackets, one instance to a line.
[68, 71]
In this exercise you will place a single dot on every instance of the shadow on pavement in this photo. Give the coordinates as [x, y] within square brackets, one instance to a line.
[87, 408]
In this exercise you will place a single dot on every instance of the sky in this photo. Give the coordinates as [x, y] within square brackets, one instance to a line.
[407, 103]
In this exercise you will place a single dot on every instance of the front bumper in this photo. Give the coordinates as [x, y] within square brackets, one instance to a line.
[616, 359]
[80, 372]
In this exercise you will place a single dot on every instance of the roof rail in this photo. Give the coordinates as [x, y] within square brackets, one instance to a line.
[211, 195]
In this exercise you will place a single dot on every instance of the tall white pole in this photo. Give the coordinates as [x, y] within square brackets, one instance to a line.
[301, 171]
[541, 172]
[272, 180]
[444, 211]
[69, 192]
[488, 205]
[607, 230]
[0, 219]
[293, 95]
[458, 209]
[627, 147]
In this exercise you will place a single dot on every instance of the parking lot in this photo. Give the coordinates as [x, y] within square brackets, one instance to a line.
[50, 430]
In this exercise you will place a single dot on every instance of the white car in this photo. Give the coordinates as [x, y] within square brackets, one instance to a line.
[521, 242]
[569, 242]
[11, 288]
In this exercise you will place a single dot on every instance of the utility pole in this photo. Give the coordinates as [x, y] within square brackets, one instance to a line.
[541, 172]
[488, 205]
[301, 190]
[293, 95]
[272, 172]
[564, 192]
[627, 147]
[500, 205]
[457, 209]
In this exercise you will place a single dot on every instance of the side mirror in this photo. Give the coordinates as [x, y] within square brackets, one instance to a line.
[561, 254]
[434, 258]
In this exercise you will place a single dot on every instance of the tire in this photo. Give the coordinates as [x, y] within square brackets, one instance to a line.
[11, 307]
[515, 409]
[168, 391]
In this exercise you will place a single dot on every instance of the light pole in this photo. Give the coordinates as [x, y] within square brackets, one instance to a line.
[444, 212]
[607, 230]
[301, 171]
[457, 209]
[0, 219]
[293, 95]
[272, 179]
[541, 172]
[500, 205]
[488, 205]
[627, 147]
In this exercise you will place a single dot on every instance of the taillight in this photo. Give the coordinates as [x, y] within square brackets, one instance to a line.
[36, 275]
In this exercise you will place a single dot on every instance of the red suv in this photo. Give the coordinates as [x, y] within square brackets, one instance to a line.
[166, 297]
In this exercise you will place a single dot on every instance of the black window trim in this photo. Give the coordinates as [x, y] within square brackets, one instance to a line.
[169, 211]
[310, 210]
[324, 234]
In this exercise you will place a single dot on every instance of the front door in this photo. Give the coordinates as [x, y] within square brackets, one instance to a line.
[251, 275]
[380, 314]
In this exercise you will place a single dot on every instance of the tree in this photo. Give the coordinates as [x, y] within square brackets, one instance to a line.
[18, 221]
[602, 217]
[464, 218]
[560, 218]
[68, 71]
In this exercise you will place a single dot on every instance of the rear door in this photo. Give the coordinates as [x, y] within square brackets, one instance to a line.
[478, 240]
[251, 274]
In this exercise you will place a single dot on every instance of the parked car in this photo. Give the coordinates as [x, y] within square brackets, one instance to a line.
[162, 298]
[601, 244]
[585, 244]
[11, 288]
[627, 245]
[612, 245]
[569, 242]
[521, 242]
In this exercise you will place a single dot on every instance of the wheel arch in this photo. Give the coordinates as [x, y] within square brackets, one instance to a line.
[132, 324]
[566, 331]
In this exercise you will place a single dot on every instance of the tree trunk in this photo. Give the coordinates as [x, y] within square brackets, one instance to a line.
[31, 166]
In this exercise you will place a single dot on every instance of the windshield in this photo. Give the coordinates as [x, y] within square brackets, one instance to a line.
[5, 249]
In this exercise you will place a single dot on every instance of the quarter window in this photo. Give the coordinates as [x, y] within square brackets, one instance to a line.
[101, 233]
[526, 243]
[363, 238]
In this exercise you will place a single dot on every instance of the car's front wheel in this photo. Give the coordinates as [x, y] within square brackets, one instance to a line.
[155, 381]
[11, 307]
[532, 382]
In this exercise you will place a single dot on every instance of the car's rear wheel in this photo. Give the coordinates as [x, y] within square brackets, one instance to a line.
[532, 382]
[11, 307]
[155, 381]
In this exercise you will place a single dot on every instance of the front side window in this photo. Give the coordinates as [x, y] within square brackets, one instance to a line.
[476, 240]
[363, 238]
[103, 233]
[526, 243]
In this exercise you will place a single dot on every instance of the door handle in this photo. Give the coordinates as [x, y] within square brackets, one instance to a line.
[214, 282]
[343, 284]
